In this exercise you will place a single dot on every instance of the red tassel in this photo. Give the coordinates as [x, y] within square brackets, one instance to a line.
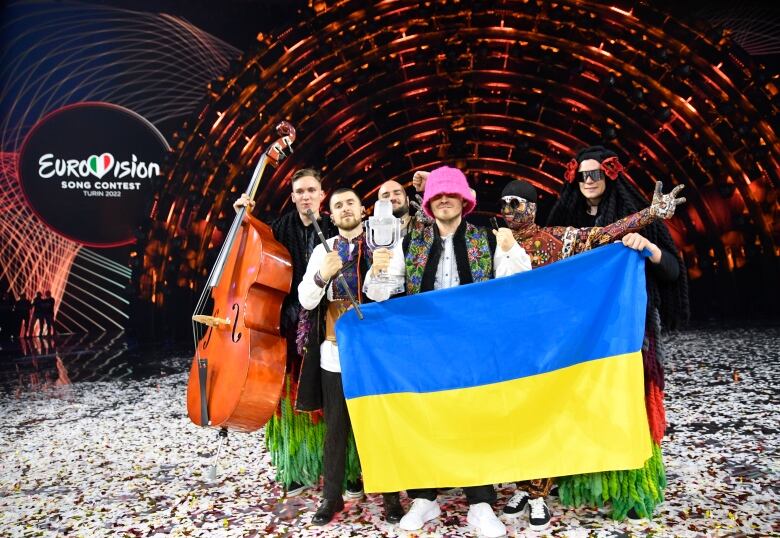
[571, 171]
[656, 414]
[611, 167]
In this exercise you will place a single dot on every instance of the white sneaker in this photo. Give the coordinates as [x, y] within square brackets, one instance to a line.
[481, 517]
[421, 511]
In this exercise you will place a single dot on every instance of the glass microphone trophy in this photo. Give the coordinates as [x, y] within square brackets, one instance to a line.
[383, 230]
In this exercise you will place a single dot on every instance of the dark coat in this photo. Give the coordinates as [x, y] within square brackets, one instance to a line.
[299, 240]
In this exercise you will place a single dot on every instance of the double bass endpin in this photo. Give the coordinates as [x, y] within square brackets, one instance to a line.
[212, 472]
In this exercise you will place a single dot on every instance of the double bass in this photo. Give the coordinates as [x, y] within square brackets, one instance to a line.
[238, 370]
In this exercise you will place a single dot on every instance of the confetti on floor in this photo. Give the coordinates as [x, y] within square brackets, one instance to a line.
[121, 458]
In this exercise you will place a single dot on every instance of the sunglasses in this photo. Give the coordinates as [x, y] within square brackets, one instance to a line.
[515, 203]
[593, 175]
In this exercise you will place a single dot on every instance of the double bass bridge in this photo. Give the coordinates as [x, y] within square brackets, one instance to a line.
[211, 321]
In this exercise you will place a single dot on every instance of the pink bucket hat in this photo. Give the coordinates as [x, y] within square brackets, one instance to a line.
[448, 180]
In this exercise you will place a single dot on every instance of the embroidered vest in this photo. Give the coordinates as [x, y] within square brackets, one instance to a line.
[354, 265]
[480, 258]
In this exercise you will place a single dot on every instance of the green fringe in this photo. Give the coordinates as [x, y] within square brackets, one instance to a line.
[296, 444]
[640, 489]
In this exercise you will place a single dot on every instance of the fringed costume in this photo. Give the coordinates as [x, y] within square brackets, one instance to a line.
[636, 491]
[550, 244]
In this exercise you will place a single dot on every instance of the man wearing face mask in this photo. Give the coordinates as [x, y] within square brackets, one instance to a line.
[549, 244]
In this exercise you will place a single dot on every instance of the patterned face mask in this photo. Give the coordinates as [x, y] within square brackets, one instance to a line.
[517, 211]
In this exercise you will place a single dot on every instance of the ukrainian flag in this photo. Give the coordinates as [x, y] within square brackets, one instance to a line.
[531, 376]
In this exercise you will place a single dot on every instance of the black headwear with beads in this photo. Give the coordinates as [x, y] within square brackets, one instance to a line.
[598, 153]
[621, 199]
[520, 188]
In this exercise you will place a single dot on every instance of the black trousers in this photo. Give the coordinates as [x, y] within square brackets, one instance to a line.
[337, 428]
[474, 494]
[40, 319]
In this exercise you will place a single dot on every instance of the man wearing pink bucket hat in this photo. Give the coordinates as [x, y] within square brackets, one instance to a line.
[448, 253]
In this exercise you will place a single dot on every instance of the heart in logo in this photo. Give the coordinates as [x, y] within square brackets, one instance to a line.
[100, 165]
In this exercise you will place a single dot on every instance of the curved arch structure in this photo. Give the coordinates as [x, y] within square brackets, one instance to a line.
[504, 90]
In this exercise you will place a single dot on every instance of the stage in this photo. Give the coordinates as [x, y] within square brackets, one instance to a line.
[97, 443]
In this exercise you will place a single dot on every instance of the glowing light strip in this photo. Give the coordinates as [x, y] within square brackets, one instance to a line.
[97, 259]
[82, 268]
[77, 299]
[73, 274]
[167, 59]
[100, 300]
[63, 313]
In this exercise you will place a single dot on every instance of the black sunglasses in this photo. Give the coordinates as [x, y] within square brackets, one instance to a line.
[593, 175]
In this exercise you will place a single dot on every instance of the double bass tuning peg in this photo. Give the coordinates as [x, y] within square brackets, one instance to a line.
[279, 150]
[283, 146]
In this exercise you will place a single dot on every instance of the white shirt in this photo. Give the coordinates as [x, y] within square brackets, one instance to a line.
[447, 270]
[310, 295]
[505, 263]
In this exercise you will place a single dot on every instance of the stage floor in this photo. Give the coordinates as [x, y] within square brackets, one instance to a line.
[96, 442]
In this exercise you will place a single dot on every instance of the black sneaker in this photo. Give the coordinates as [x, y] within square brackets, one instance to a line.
[394, 511]
[540, 514]
[354, 489]
[634, 517]
[327, 509]
[296, 488]
[554, 492]
[516, 504]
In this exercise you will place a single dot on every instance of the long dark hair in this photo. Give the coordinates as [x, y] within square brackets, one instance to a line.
[621, 199]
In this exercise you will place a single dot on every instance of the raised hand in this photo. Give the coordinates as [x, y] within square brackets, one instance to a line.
[505, 239]
[663, 205]
[416, 204]
[419, 179]
[244, 201]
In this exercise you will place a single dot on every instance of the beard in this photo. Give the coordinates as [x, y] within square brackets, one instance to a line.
[347, 223]
[402, 210]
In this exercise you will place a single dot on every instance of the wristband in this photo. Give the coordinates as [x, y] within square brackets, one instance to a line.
[319, 280]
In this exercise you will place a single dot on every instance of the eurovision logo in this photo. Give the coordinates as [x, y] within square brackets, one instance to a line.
[87, 170]
[95, 165]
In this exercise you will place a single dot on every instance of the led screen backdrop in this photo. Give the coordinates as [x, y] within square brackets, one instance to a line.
[144, 72]
[506, 89]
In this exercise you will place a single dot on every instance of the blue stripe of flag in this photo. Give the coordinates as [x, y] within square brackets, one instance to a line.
[507, 328]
